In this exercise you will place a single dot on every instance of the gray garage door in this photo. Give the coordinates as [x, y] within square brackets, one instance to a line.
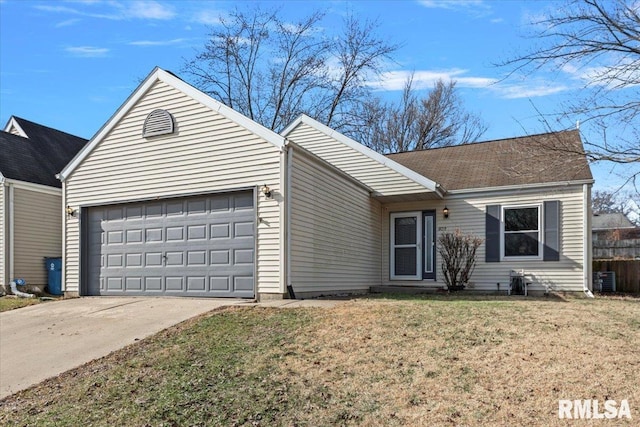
[197, 246]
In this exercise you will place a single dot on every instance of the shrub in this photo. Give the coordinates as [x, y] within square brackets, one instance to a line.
[458, 254]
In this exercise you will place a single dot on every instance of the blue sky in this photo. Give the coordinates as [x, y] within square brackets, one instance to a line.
[71, 64]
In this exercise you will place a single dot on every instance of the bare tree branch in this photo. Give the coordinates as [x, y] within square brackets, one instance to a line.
[272, 70]
[436, 120]
[598, 41]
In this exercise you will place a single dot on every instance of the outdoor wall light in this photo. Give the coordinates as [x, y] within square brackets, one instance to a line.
[445, 212]
[70, 211]
[266, 191]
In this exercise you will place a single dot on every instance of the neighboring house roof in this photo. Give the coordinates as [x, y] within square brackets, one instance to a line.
[528, 160]
[610, 221]
[158, 74]
[38, 155]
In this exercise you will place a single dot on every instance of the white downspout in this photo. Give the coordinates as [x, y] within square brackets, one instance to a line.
[586, 256]
[288, 212]
[64, 240]
[11, 212]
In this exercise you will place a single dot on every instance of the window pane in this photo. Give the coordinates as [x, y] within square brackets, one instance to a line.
[521, 244]
[405, 262]
[405, 230]
[521, 219]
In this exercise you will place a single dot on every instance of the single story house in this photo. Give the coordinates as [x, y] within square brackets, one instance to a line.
[613, 226]
[180, 195]
[31, 197]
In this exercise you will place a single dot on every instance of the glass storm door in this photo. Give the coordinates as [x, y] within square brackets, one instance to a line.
[406, 243]
[429, 245]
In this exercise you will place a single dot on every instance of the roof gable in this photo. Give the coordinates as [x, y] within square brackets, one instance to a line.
[170, 79]
[530, 160]
[378, 166]
[38, 154]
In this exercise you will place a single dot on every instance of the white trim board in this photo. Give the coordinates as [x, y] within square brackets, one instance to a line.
[23, 185]
[14, 123]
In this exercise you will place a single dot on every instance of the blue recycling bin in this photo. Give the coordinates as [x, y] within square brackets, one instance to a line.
[54, 275]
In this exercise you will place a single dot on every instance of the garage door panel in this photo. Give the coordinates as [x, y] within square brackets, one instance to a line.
[202, 246]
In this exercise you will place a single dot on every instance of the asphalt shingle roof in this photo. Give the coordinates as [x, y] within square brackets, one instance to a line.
[608, 221]
[38, 158]
[535, 159]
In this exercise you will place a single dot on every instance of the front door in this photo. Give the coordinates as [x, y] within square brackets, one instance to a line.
[413, 246]
[406, 245]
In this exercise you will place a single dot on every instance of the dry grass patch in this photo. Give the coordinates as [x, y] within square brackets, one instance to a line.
[465, 362]
[11, 302]
[415, 361]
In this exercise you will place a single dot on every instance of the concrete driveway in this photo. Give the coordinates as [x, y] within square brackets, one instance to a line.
[44, 340]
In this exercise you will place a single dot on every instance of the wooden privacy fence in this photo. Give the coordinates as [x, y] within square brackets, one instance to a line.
[616, 249]
[627, 273]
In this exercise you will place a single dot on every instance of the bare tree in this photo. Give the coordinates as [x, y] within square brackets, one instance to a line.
[436, 120]
[272, 70]
[604, 201]
[599, 40]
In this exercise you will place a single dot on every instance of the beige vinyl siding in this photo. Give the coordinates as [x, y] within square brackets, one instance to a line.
[377, 176]
[468, 214]
[335, 230]
[37, 233]
[207, 153]
[3, 233]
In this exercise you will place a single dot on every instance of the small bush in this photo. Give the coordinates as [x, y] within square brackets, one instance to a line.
[458, 254]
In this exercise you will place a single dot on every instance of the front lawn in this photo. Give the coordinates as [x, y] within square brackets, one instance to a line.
[433, 360]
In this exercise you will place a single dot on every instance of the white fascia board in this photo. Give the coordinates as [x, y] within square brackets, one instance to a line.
[458, 194]
[24, 185]
[14, 123]
[171, 80]
[397, 167]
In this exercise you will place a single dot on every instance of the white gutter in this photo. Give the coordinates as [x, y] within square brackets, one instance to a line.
[461, 193]
[586, 245]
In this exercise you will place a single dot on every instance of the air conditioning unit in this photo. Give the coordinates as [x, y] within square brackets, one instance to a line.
[604, 281]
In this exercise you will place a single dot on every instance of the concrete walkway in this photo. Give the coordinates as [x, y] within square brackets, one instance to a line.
[44, 340]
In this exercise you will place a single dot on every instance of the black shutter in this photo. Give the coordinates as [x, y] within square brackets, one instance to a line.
[492, 234]
[551, 251]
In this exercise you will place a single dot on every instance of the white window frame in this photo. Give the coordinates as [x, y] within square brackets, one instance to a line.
[392, 234]
[540, 232]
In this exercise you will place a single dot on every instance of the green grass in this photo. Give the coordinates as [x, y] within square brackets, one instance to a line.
[428, 360]
[8, 303]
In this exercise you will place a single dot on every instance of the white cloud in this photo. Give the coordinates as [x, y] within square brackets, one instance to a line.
[147, 43]
[452, 4]
[528, 90]
[473, 7]
[622, 73]
[425, 79]
[67, 23]
[87, 51]
[149, 10]
[207, 17]
[114, 10]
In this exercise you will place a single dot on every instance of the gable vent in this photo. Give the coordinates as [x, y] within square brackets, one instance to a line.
[158, 122]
